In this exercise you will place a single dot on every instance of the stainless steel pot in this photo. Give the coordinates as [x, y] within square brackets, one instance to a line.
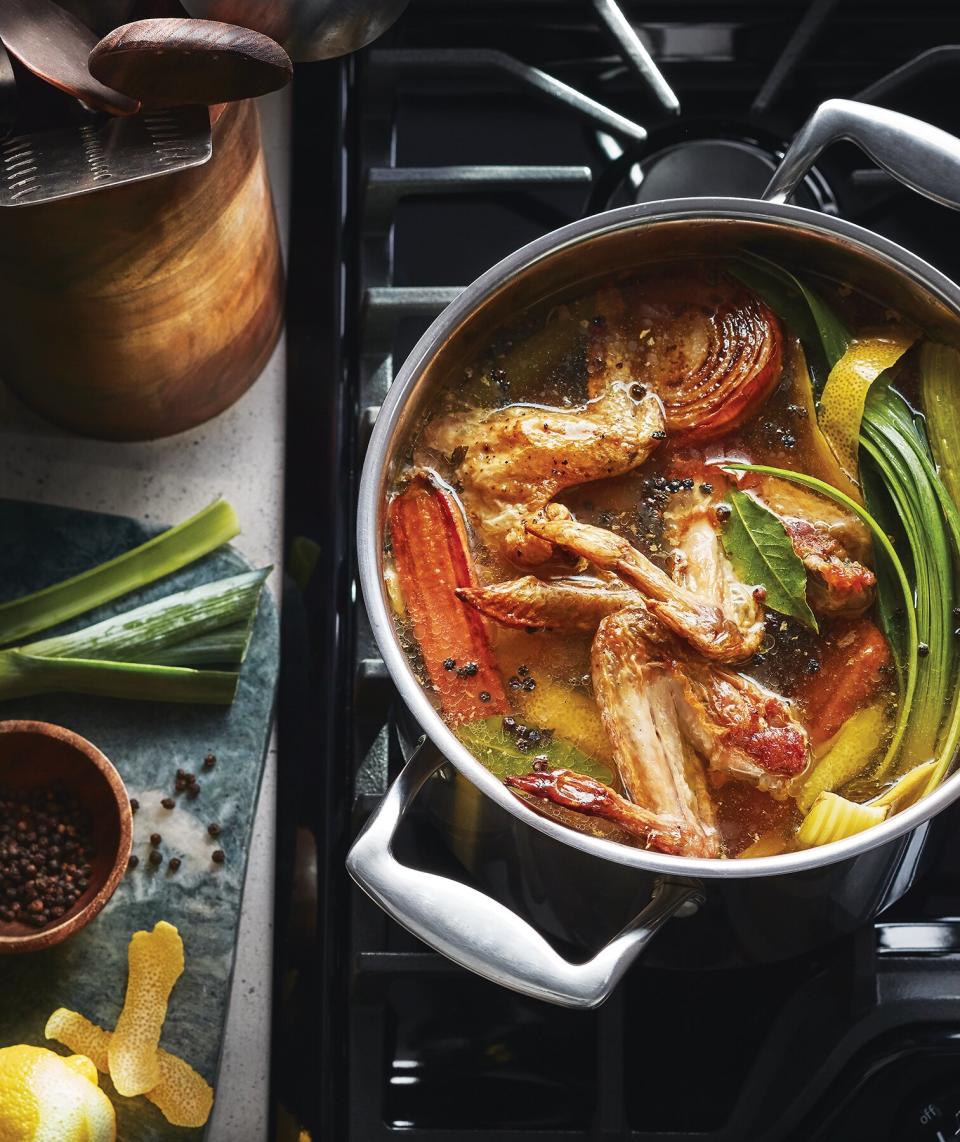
[580, 888]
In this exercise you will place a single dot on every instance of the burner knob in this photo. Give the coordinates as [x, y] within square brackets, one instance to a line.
[931, 1119]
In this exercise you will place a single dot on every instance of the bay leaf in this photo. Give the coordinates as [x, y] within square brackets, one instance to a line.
[496, 748]
[761, 552]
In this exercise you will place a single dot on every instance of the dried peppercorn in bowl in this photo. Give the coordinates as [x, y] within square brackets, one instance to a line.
[66, 830]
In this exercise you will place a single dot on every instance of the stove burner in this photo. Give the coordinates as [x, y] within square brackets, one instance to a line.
[714, 165]
[704, 166]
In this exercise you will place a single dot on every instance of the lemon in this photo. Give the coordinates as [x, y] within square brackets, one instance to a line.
[844, 394]
[47, 1098]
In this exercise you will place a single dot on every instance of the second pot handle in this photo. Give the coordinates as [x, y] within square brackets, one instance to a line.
[478, 932]
[920, 156]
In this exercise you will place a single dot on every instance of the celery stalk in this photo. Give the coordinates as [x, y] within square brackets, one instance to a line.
[160, 556]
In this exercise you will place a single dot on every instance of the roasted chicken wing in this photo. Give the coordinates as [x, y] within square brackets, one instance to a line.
[511, 462]
[724, 623]
[664, 707]
[587, 795]
[575, 605]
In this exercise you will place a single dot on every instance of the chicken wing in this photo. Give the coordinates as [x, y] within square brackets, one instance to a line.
[513, 461]
[660, 704]
[575, 605]
[587, 795]
[724, 625]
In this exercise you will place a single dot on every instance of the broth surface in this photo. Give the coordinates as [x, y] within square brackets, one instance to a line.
[566, 560]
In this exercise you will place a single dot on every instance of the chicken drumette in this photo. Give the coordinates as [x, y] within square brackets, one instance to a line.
[510, 463]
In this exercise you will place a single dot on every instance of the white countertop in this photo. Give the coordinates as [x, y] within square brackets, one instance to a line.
[239, 455]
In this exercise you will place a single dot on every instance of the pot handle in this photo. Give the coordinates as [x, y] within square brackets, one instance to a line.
[920, 156]
[478, 932]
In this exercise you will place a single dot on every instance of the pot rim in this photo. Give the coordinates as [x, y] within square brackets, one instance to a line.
[370, 540]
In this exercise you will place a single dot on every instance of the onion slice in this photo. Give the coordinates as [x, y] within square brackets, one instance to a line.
[710, 349]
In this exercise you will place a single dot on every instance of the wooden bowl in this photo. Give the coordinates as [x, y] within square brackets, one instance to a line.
[38, 755]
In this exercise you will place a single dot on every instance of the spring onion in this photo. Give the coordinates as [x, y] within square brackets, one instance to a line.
[160, 556]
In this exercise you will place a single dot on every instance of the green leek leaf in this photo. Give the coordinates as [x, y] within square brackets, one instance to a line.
[160, 556]
[894, 442]
[25, 675]
[940, 400]
[144, 653]
[162, 623]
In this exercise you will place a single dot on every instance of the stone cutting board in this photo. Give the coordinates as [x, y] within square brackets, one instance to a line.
[147, 742]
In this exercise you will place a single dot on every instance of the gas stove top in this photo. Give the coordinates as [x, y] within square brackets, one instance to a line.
[469, 130]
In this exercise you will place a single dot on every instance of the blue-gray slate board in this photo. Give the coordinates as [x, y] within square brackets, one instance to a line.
[147, 742]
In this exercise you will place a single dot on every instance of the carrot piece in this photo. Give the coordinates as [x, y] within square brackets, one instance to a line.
[853, 666]
[432, 559]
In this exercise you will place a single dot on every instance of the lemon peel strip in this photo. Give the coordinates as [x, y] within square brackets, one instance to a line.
[183, 1096]
[844, 394]
[155, 964]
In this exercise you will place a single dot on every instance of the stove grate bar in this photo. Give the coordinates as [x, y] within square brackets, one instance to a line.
[489, 60]
[908, 73]
[803, 36]
[940, 938]
[385, 306]
[635, 53]
[385, 186]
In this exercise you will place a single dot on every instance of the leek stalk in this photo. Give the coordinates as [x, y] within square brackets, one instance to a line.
[160, 556]
[897, 447]
[130, 655]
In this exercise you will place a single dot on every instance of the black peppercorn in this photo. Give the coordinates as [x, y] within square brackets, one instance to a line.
[45, 850]
[210, 761]
[155, 839]
[133, 861]
[173, 863]
[213, 829]
[155, 857]
[134, 804]
[168, 803]
[484, 695]
[449, 663]
[218, 856]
